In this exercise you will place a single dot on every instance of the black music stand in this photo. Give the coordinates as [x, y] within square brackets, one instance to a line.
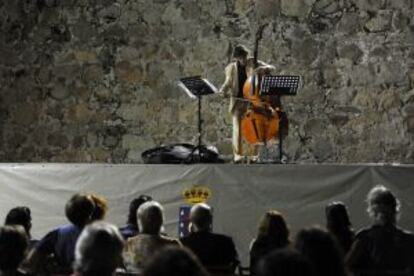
[277, 86]
[196, 87]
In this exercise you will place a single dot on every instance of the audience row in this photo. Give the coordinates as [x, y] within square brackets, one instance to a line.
[89, 246]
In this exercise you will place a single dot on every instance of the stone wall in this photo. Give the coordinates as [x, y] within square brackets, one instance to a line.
[95, 80]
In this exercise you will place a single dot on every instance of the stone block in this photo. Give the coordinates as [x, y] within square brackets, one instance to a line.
[410, 124]
[25, 114]
[370, 5]
[267, 9]
[58, 139]
[79, 113]
[93, 73]
[362, 75]
[380, 23]
[85, 56]
[389, 100]
[60, 91]
[305, 50]
[296, 8]
[352, 52]
[128, 73]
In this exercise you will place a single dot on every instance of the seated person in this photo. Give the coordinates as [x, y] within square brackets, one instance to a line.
[174, 260]
[140, 248]
[21, 215]
[13, 244]
[339, 224]
[59, 244]
[273, 234]
[131, 227]
[98, 250]
[383, 247]
[286, 262]
[322, 250]
[215, 251]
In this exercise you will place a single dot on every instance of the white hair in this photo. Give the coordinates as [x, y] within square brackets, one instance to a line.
[98, 249]
[383, 205]
[150, 216]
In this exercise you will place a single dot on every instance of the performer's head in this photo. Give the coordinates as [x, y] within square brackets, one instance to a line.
[240, 53]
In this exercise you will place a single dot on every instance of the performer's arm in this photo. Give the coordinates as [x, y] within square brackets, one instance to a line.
[226, 87]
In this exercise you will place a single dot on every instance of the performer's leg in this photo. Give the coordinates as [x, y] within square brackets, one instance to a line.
[237, 138]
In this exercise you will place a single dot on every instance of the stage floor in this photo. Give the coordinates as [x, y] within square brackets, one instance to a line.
[239, 193]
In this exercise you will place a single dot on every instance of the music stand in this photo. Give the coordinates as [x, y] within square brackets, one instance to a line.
[196, 87]
[277, 86]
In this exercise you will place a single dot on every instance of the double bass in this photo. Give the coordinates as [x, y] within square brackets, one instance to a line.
[260, 123]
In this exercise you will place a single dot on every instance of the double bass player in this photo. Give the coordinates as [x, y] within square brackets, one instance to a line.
[236, 73]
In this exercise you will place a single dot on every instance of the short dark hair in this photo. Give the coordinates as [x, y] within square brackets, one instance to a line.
[174, 261]
[79, 209]
[133, 207]
[240, 51]
[13, 244]
[20, 215]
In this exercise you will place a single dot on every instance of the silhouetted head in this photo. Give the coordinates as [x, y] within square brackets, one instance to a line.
[383, 205]
[201, 217]
[273, 225]
[337, 215]
[13, 244]
[133, 207]
[322, 250]
[240, 53]
[174, 261]
[79, 209]
[101, 207]
[98, 250]
[284, 262]
[150, 217]
[20, 215]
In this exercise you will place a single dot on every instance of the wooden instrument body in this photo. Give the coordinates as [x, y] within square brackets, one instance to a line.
[260, 123]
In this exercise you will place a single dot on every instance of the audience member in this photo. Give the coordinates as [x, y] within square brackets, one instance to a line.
[101, 207]
[98, 250]
[215, 251]
[174, 261]
[273, 234]
[284, 262]
[21, 215]
[140, 248]
[339, 225]
[383, 247]
[131, 227]
[60, 242]
[13, 244]
[322, 250]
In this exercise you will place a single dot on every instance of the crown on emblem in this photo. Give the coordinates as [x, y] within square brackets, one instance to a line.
[197, 194]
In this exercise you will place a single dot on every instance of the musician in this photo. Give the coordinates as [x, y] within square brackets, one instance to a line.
[237, 72]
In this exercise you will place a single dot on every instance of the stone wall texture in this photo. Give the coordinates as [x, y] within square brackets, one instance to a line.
[95, 80]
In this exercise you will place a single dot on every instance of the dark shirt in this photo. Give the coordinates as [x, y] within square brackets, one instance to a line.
[382, 248]
[241, 70]
[129, 231]
[61, 243]
[213, 250]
